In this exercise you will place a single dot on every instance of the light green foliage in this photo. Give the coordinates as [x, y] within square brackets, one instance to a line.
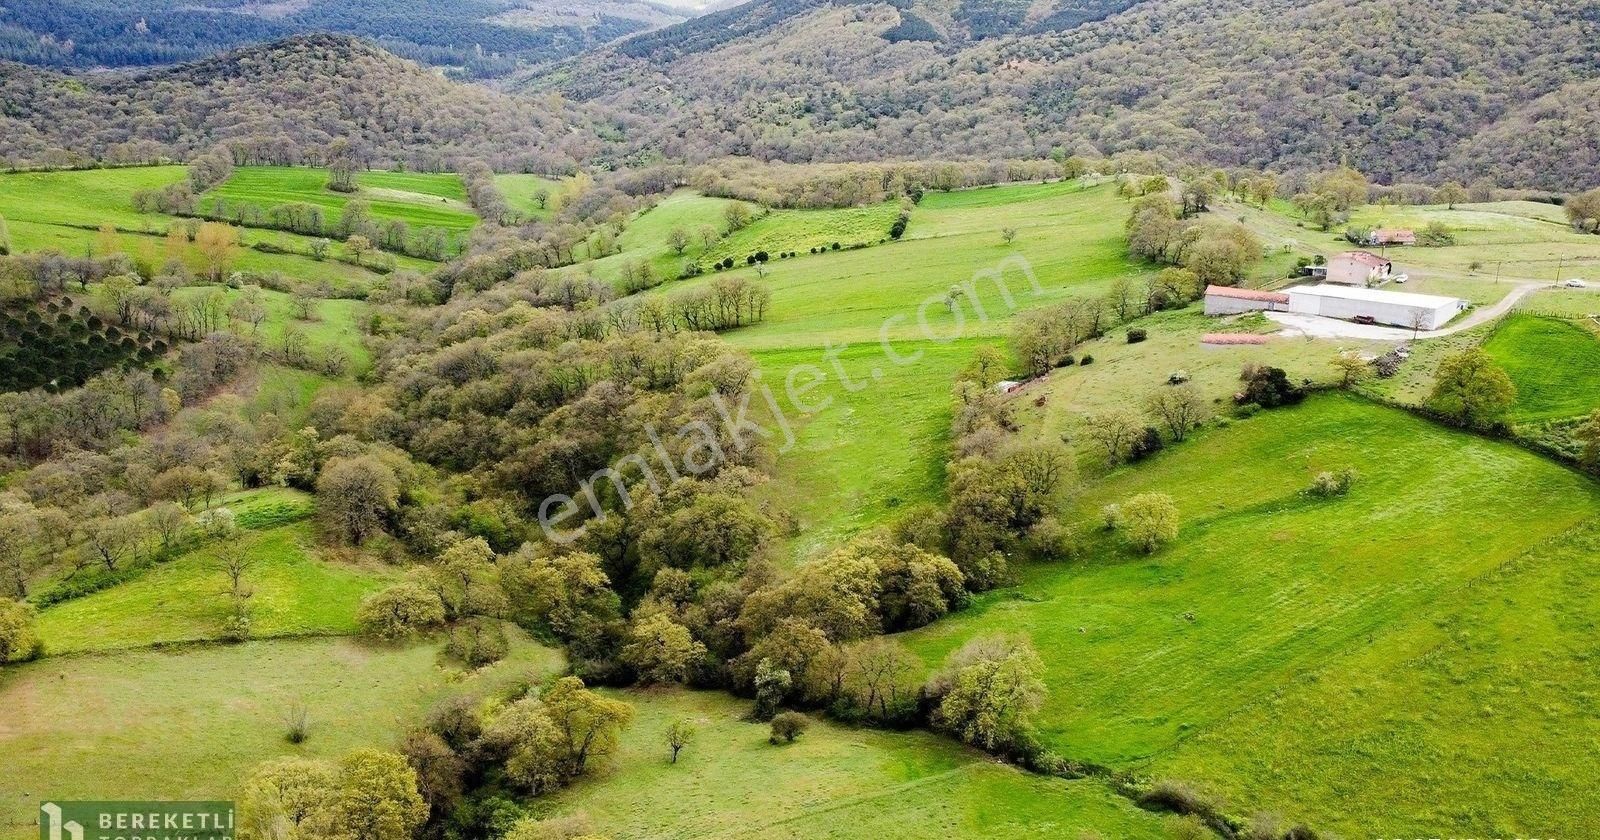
[401, 611]
[989, 691]
[1472, 391]
[18, 638]
[1148, 521]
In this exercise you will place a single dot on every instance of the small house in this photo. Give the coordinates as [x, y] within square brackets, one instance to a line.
[1226, 300]
[1358, 268]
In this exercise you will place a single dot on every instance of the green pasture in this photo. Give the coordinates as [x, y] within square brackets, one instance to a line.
[833, 782]
[420, 200]
[335, 322]
[296, 592]
[781, 231]
[1269, 593]
[1554, 364]
[62, 211]
[190, 724]
[519, 191]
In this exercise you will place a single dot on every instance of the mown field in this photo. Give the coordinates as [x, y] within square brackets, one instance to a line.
[191, 723]
[1554, 364]
[418, 199]
[1206, 660]
[833, 783]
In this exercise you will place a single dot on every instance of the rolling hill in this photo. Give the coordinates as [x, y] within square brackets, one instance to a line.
[283, 103]
[1427, 90]
[473, 38]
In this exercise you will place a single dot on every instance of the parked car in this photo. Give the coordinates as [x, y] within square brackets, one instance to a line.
[1365, 320]
[1575, 283]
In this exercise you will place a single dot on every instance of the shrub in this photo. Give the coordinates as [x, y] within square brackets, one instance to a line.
[1148, 444]
[478, 642]
[1086, 360]
[1327, 485]
[296, 723]
[787, 726]
[1149, 521]
[400, 611]
[1269, 387]
[1137, 335]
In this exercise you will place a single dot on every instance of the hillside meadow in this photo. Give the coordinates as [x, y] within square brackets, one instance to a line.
[418, 199]
[190, 723]
[1152, 663]
[63, 211]
[830, 784]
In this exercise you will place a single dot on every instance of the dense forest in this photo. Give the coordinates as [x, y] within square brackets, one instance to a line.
[1432, 92]
[475, 38]
[282, 104]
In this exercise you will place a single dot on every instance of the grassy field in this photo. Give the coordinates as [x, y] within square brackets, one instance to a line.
[1123, 374]
[519, 191]
[831, 783]
[801, 230]
[190, 724]
[296, 593]
[879, 444]
[1510, 241]
[420, 200]
[1267, 593]
[60, 210]
[335, 322]
[1554, 364]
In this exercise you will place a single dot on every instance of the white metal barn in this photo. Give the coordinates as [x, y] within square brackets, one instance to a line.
[1399, 309]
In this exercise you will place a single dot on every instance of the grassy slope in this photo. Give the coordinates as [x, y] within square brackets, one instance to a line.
[518, 191]
[1554, 364]
[420, 200]
[1267, 592]
[832, 783]
[296, 593]
[645, 237]
[880, 447]
[337, 322]
[45, 211]
[802, 230]
[191, 724]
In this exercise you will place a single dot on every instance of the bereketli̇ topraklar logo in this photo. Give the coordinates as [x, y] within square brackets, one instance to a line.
[136, 821]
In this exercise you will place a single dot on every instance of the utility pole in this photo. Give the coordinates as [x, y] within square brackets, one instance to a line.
[1561, 263]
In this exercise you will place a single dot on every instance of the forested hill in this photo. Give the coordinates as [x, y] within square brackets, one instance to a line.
[475, 38]
[284, 103]
[1415, 90]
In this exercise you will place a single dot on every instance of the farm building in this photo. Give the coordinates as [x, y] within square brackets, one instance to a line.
[1398, 309]
[1226, 300]
[1358, 268]
[1392, 236]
